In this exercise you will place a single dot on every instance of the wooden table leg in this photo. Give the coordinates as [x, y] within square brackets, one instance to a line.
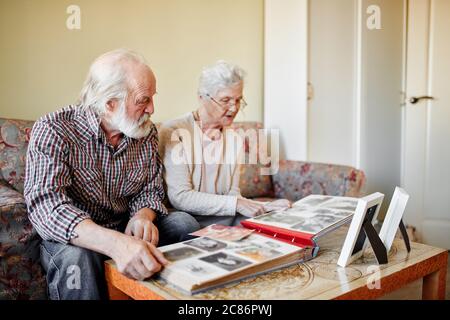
[434, 284]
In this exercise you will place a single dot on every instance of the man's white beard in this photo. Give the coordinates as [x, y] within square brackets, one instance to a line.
[131, 128]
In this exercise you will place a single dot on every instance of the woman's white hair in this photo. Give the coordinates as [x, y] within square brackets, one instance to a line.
[219, 76]
[107, 79]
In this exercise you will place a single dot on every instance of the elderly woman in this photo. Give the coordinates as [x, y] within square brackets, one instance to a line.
[201, 169]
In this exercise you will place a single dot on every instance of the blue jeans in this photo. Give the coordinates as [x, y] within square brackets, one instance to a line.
[75, 273]
[205, 221]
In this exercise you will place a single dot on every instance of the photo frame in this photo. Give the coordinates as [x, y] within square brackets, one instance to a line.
[393, 220]
[361, 228]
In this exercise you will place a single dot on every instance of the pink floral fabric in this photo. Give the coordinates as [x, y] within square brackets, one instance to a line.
[252, 183]
[21, 275]
[296, 180]
[14, 138]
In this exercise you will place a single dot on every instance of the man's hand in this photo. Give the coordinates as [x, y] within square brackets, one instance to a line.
[137, 259]
[141, 226]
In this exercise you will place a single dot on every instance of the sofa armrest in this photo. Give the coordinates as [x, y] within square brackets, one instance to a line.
[296, 180]
[9, 196]
[21, 275]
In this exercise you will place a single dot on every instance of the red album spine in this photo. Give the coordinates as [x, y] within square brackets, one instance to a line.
[295, 238]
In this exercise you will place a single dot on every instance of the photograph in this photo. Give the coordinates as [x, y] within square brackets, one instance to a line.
[327, 219]
[304, 212]
[241, 244]
[206, 244]
[337, 213]
[317, 223]
[226, 261]
[193, 270]
[344, 204]
[198, 269]
[342, 213]
[315, 200]
[220, 232]
[181, 253]
[278, 218]
[272, 244]
[324, 211]
[350, 208]
[309, 226]
[258, 253]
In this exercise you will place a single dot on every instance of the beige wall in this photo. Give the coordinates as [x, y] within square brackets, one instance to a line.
[43, 64]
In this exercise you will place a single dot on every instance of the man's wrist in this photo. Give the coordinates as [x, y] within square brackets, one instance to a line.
[96, 238]
[147, 213]
[113, 246]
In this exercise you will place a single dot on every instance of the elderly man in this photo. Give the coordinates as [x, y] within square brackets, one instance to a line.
[93, 182]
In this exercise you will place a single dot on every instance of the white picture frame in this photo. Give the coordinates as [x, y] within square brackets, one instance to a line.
[393, 217]
[356, 240]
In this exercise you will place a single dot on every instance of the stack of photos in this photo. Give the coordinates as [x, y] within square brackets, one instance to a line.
[204, 259]
[312, 214]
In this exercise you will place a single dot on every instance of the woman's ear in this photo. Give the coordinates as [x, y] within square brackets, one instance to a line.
[201, 99]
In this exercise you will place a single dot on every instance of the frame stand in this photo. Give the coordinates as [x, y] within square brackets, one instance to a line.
[377, 245]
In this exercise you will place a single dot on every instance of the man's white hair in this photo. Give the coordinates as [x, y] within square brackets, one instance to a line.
[107, 79]
[219, 76]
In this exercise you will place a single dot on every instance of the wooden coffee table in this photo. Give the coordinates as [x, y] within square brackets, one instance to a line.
[319, 278]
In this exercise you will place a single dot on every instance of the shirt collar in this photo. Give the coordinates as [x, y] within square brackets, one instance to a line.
[93, 120]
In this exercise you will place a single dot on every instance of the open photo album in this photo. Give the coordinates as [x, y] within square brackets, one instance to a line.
[221, 255]
[309, 219]
[205, 263]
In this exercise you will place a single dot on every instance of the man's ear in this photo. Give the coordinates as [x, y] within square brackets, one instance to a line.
[111, 105]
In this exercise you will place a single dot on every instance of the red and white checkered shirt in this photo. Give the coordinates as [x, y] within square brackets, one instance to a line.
[73, 173]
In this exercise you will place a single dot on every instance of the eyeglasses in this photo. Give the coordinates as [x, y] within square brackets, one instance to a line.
[239, 103]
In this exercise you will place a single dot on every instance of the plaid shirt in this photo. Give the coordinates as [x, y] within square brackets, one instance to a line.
[74, 174]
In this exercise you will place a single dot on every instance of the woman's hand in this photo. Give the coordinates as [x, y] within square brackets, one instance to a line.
[249, 208]
[277, 205]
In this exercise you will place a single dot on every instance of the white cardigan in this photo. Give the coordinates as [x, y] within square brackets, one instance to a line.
[180, 147]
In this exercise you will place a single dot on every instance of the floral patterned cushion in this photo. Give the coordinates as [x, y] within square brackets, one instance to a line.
[252, 183]
[296, 180]
[14, 138]
[21, 275]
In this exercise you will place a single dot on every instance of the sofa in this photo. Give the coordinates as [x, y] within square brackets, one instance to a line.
[21, 276]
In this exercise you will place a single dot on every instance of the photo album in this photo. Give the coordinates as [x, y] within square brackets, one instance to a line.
[309, 219]
[221, 255]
